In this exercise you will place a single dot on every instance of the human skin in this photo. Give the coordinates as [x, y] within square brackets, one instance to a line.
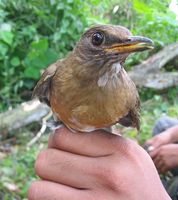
[168, 136]
[164, 152]
[165, 157]
[95, 166]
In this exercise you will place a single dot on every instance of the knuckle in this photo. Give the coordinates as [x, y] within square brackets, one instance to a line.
[107, 175]
[111, 177]
[126, 147]
[59, 137]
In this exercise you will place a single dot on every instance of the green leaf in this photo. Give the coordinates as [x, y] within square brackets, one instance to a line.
[33, 66]
[15, 61]
[40, 45]
[6, 37]
[3, 50]
[37, 48]
[31, 72]
[141, 7]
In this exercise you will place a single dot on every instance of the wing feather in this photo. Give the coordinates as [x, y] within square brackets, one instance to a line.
[43, 87]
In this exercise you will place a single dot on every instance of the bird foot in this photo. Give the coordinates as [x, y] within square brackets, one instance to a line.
[53, 125]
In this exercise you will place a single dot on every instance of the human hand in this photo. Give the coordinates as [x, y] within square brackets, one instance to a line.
[95, 166]
[165, 157]
[159, 140]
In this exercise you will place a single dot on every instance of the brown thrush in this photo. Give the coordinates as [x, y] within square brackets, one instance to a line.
[90, 89]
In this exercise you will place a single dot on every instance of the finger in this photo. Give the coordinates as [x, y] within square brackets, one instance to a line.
[66, 168]
[163, 169]
[158, 162]
[155, 142]
[154, 153]
[97, 143]
[41, 190]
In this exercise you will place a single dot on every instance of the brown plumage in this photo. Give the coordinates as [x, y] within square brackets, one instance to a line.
[90, 89]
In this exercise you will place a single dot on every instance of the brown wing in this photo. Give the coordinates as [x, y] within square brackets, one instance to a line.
[43, 87]
[133, 117]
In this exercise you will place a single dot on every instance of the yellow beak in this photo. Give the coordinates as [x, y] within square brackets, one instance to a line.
[133, 44]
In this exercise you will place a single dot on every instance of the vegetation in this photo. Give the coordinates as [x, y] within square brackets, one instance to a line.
[34, 34]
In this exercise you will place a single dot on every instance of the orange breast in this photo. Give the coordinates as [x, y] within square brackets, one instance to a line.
[86, 107]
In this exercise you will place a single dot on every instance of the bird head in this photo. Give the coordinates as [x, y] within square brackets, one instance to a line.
[103, 45]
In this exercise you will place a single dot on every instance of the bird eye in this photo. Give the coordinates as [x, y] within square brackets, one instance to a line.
[97, 38]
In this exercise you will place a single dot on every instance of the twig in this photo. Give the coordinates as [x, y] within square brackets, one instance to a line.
[41, 131]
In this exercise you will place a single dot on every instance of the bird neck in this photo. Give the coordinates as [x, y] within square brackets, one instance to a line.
[96, 67]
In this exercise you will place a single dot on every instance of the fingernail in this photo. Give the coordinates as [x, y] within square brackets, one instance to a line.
[150, 148]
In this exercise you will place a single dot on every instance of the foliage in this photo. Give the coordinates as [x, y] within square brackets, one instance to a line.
[152, 19]
[18, 174]
[155, 16]
[33, 34]
[17, 167]
[17, 170]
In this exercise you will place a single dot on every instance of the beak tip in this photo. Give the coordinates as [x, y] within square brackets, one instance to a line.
[142, 43]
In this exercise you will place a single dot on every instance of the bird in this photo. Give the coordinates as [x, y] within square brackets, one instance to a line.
[89, 89]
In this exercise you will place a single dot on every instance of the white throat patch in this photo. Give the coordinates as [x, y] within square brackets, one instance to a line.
[110, 75]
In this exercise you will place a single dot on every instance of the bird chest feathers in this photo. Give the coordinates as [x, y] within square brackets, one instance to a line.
[93, 104]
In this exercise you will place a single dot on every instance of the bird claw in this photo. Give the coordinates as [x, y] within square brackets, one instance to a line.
[53, 125]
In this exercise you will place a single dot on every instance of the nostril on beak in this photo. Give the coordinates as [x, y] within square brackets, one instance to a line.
[128, 40]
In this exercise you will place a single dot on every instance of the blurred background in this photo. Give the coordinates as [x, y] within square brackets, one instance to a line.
[34, 34]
